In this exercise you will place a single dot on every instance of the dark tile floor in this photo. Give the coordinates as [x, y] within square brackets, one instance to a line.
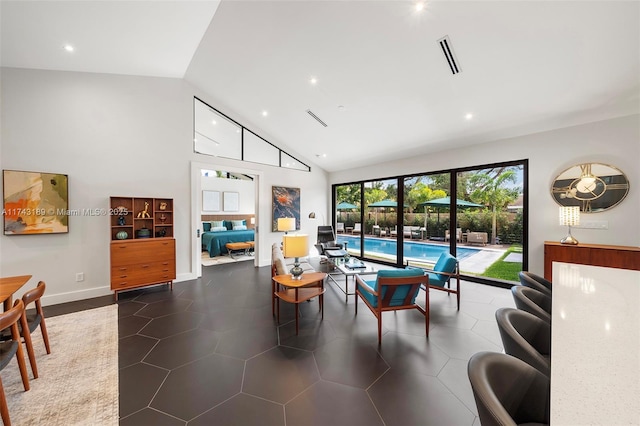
[210, 353]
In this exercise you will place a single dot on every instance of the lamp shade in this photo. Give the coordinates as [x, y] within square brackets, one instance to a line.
[295, 245]
[570, 216]
[286, 224]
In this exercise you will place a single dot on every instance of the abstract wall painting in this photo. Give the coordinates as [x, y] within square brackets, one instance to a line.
[35, 203]
[286, 203]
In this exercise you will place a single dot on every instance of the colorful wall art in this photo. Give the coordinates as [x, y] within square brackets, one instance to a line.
[35, 203]
[286, 203]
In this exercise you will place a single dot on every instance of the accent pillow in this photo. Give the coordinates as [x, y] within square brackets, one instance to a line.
[218, 228]
[217, 223]
[239, 223]
[228, 224]
[239, 227]
[206, 226]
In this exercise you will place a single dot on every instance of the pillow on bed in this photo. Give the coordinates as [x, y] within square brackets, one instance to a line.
[206, 226]
[228, 224]
[217, 223]
[239, 227]
[218, 228]
[239, 222]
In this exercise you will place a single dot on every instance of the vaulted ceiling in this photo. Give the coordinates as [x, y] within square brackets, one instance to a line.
[383, 86]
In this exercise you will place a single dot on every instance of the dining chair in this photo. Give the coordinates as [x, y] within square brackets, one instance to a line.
[393, 290]
[508, 391]
[36, 319]
[10, 348]
[526, 337]
[533, 301]
[529, 279]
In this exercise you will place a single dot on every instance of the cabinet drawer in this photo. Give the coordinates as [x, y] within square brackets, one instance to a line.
[143, 273]
[135, 252]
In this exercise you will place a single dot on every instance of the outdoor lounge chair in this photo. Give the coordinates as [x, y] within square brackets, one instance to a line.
[393, 290]
[340, 227]
[447, 235]
[356, 229]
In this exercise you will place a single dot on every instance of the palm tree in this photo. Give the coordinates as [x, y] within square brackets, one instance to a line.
[490, 188]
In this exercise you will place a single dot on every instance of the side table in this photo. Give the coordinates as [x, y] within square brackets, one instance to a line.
[297, 291]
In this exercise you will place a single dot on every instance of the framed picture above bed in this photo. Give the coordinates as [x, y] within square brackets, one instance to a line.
[231, 201]
[210, 201]
[286, 203]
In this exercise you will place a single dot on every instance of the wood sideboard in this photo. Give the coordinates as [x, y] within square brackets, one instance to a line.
[621, 257]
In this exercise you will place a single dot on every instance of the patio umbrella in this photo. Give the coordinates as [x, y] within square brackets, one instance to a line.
[438, 203]
[384, 204]
[346, 206]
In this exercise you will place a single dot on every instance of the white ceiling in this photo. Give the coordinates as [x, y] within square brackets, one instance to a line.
[526, 66]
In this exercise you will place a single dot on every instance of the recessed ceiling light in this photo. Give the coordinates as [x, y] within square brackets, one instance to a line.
[419, 6]
[341, 108]
[468, 116]
[69, 48]
[321, 155]
[214, 122]
[237, 130]
[313, 80]
[265, 113]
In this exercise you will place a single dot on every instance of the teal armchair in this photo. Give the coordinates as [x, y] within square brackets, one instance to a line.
[393, 290]
[446, 268]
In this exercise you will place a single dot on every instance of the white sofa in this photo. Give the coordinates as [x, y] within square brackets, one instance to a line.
[282, 266]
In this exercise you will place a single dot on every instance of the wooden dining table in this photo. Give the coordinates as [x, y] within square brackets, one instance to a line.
[8, 286]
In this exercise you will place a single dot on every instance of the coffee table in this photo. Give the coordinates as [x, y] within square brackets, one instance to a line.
[348, 272]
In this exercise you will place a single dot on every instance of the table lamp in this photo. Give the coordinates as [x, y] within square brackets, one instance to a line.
[569, 216]
[286, 224]
[296, 246]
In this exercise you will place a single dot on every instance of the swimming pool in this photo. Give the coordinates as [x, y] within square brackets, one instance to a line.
[418, 251]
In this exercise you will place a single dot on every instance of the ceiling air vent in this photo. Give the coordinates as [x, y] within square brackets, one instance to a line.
[447, 49]
[316, 118]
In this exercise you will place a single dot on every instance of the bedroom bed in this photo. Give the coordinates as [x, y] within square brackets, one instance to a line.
[214, 241]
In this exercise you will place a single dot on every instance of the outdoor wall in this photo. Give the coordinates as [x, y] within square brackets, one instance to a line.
[615, 142]
[114, 136]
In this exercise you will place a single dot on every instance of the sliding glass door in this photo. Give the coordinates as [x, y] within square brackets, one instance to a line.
[478, 214]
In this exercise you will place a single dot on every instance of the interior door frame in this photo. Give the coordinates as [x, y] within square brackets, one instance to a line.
[196, 209]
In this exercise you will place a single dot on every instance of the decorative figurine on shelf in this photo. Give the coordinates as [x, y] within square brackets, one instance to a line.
[163, 217]
[122, 235]
[163, 206]
[121, 221]
[161, 233]
[144, 213]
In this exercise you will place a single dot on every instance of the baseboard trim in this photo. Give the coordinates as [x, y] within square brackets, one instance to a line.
[72, 296]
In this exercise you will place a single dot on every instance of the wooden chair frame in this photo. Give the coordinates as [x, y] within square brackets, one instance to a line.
[455, 274]
[9, 319]
[383, 304]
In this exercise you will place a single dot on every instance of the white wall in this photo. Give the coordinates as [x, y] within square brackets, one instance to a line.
[113, 135]
[615, 142]
[244, 188]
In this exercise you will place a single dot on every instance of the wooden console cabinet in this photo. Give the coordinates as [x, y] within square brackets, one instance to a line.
[141, 259]
[621, 257]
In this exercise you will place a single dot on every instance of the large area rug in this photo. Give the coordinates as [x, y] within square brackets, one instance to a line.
[78, 383]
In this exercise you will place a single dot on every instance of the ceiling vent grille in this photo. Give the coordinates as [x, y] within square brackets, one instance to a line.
[316, 118]
[447, 49]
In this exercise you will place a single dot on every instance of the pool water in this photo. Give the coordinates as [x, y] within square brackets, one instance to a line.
[418, 251]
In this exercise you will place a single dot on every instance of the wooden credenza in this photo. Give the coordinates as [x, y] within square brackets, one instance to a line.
[142, 262]
[621, 257]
